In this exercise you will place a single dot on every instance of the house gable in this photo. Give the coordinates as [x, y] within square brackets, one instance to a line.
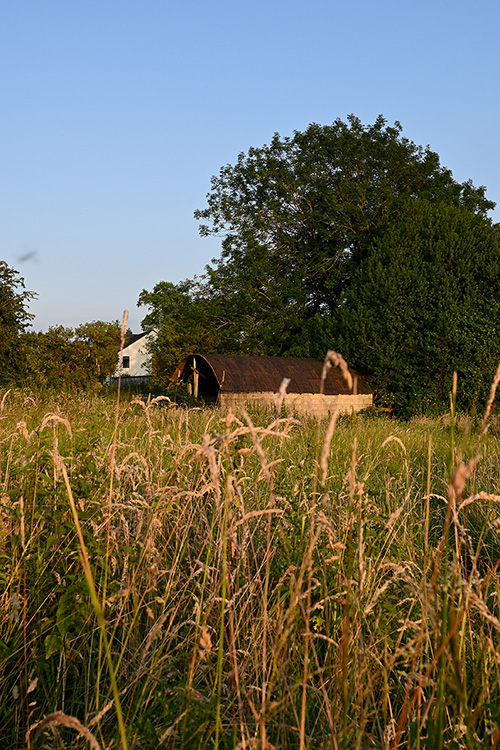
[133, 359]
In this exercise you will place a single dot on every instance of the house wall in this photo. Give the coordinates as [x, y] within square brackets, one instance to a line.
[312, 404]
[139, 358]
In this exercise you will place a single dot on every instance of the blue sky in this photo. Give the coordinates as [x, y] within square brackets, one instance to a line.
[115, 115]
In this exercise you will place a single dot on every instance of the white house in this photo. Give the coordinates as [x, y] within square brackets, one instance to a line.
[133, 359]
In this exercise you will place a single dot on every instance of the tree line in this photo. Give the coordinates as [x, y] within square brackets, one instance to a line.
[345, 236]
[62, 357]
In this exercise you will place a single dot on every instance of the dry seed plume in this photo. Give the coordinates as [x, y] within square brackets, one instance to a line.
[463, 472]
[2, 402]
[52, 420]
[204, 643]
[489, 405]
[124, 328]
[337, 360]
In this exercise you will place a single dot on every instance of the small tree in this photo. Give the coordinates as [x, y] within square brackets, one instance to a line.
[14, 319]
[102, 344]
[185, 322]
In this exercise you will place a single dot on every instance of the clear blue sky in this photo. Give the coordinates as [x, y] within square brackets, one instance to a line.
[114, 116]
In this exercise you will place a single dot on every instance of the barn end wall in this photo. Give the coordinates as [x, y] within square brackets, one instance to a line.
[312, 404]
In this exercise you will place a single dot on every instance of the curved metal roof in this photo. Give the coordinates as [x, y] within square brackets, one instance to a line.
[251, 374]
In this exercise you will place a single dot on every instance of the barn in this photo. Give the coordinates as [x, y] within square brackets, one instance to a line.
[238, 381]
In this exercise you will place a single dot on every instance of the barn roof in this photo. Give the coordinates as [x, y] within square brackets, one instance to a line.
[251, 374]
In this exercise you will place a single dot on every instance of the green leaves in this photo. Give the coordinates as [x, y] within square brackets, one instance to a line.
[72, 614]
[426, 304]
[14, 318]
[64, 357]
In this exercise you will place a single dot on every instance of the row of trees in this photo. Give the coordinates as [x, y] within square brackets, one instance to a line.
[82, 357]
[61, 357]
[349, 237]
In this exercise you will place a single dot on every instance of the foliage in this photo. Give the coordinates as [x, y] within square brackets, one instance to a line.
[302, 222]
[66, 358]
[14, 319]
[425, 304]
[248, 600]
[183, 323]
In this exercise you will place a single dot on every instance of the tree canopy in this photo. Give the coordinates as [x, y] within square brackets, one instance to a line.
[321, 229]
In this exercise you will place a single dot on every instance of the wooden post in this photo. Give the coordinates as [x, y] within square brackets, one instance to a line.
[195, 380]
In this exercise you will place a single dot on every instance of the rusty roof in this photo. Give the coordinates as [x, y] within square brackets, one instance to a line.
[252, 374]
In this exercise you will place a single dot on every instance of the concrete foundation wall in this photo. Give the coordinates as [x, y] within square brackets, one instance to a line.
[312, 404]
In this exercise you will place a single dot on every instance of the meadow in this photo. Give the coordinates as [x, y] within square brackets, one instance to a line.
[187, 578]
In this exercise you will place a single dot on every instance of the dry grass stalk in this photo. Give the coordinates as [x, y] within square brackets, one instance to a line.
[489, 406]
[258, 446]
[52, 420]
[23, 430]
[58, 718]
[394, 439]
[281, 395]
[112, 451]
[479, 496]
[209, 451]
[4, 398]
[459, 479]
[254, 742]
[463, 472]
[123, 331]
[323, 461]
[170, 732]
[205, 643]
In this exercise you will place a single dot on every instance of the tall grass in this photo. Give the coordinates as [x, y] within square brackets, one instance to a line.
[178, 578]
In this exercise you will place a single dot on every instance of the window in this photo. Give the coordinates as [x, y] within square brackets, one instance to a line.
[125, 363]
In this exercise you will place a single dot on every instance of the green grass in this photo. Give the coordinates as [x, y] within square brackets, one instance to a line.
[188, 579]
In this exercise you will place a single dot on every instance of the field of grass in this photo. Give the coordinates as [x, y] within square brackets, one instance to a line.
[174, 578]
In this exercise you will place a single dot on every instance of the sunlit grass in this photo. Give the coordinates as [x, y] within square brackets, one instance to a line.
[240, 586]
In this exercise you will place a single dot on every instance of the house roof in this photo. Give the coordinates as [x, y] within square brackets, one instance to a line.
[134, 337]
[250, 374]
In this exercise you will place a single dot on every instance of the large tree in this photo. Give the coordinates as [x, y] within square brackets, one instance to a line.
[14, 319]
[300, 220]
